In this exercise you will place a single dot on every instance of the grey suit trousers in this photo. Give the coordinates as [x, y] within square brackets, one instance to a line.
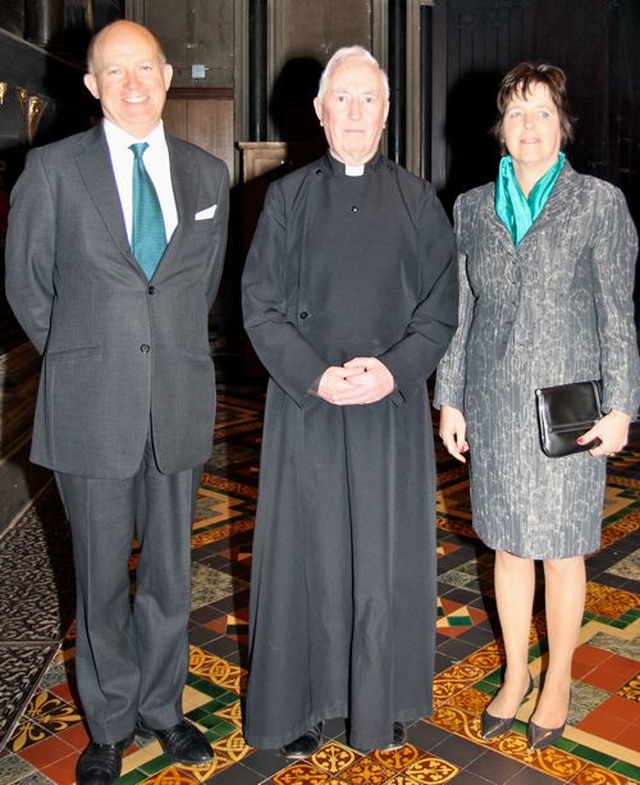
[131, 647]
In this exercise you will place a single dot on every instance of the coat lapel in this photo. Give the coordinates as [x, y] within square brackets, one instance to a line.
[184, 179]
[558, 204]
[94, 163]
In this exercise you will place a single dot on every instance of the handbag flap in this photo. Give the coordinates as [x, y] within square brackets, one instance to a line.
[571, 406]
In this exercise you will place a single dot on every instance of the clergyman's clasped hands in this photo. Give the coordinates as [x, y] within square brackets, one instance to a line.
[360, 381]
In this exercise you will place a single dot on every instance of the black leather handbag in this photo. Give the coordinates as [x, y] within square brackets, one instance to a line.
[565, 412]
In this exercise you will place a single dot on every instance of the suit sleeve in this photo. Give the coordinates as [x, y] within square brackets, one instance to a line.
[30, 251]
[289, 358]
[219, 244]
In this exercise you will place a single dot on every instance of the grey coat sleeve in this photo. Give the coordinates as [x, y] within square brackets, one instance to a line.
[30, 251]
[451, 376]
[615, 248]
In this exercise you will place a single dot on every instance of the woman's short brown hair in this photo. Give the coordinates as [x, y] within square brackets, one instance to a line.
[520, 80]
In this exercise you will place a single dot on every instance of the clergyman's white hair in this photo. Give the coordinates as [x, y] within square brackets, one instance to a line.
[339, 56]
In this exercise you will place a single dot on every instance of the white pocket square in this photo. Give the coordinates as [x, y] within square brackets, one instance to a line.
[206, 215]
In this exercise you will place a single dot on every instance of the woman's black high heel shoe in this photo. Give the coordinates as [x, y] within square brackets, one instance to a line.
[538, 738]
[491, 726]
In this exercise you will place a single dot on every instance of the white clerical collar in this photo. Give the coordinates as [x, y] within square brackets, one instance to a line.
[354, 171]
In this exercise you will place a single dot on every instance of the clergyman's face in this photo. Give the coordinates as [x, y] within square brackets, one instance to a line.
[353, 110]
[129, 77]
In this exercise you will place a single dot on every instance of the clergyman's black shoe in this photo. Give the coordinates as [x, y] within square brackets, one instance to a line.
[398, 741]
[399, 737]
[305, 745]
[101, 764]
[183, 743]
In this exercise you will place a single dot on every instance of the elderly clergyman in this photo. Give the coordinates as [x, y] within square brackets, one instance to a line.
[350, 300]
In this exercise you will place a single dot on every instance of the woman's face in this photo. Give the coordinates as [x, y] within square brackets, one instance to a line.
[531, 129]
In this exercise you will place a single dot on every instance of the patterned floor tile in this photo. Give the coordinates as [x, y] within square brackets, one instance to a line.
[599, 745]
[454, 619]
[625, 645]
[209, 585]
[14, 769]
[628, 567]
[585, 699]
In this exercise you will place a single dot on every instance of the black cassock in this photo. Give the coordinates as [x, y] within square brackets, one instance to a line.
[343, 592]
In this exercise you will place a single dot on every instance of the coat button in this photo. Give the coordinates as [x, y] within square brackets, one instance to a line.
[303, 315]
[145, 348]
[354, 208]
[151, 290]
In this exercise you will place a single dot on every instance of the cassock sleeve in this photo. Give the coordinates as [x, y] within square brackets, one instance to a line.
[289, 358]
[414, 358]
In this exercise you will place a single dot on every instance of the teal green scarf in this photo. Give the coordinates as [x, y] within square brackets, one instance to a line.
[515, 210]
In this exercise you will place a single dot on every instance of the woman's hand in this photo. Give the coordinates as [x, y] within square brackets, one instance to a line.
[612, 431]
[453, 431]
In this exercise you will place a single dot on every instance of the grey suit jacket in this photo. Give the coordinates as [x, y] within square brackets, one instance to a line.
[118, 351]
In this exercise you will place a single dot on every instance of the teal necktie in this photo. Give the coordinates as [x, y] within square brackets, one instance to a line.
[148, 236]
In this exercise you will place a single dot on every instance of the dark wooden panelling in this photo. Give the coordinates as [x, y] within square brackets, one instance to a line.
[204, 119]
[624, 106]
[307, 28]
[43, 98]
[12, 16]
[480, 40]
[195, 32]
[305, 34]
[477, 41]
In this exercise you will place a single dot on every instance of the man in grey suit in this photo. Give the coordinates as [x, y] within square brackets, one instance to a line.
[126, 401]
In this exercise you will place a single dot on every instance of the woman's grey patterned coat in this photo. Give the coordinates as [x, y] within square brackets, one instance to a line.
[557, 308]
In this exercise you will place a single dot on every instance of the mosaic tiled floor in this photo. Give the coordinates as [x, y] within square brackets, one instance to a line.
[602, 740]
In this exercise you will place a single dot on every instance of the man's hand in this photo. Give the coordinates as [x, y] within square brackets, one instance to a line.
[362, 380]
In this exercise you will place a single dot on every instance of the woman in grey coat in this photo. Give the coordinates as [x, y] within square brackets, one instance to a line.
[546, 271]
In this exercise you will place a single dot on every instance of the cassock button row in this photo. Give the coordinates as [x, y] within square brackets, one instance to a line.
[354, 208]
[145, 348]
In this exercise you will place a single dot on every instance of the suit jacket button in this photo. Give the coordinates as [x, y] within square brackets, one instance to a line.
[304, 315]
[145, 348]
[151, 290]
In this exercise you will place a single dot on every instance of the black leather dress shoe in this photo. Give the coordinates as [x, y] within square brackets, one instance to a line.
[183, 743]
[100, 764]
[399, 737]
[305, 745]
[491, 726]
[399, 740]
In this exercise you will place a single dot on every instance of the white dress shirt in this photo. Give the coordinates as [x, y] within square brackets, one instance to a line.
[156, 161]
